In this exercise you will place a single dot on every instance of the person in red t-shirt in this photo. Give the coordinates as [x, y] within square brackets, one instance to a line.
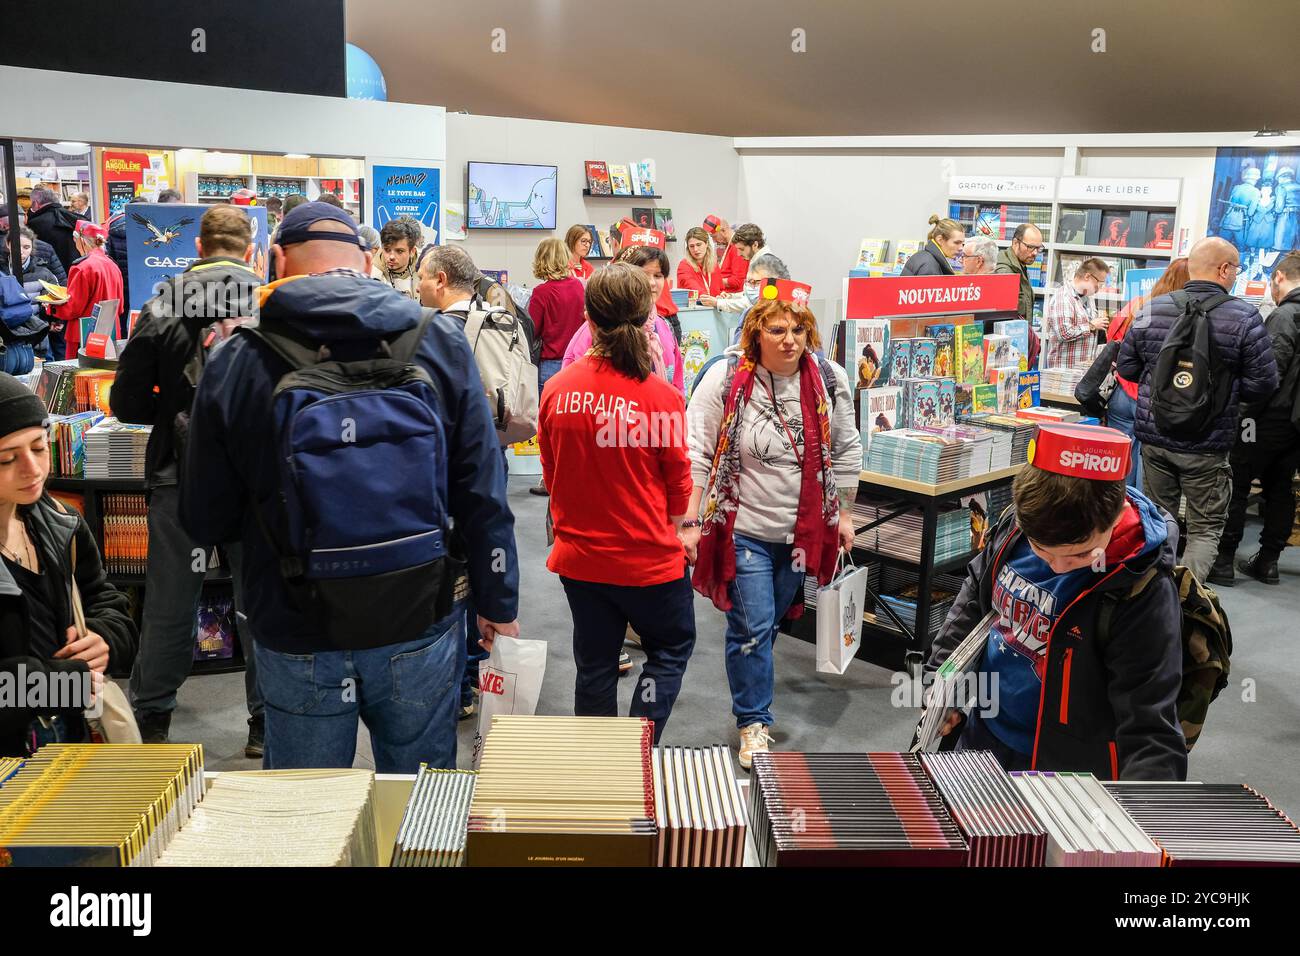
[699, 271]
[612, 436]
[91, 279]
[733, 266]
[556, 310]
[578, 241]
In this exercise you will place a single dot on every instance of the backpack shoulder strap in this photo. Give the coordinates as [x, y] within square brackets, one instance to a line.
[828, 377]
[1112, 599]
[406, 345]
[294, 349]
[1213, 302]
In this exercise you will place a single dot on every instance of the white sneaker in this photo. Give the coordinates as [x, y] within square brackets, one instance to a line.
[753, 738]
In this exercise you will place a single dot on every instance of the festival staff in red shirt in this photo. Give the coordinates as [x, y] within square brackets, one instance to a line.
[699, 271]
[731, 264]
[92, 279]
[578, 241]
[613, 449]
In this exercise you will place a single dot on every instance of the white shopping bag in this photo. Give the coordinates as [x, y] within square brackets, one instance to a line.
[509, 681]
[839, 618]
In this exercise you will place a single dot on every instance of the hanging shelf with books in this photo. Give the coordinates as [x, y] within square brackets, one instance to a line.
[587, 193]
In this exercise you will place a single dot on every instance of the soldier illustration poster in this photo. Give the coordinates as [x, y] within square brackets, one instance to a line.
[1255, 205]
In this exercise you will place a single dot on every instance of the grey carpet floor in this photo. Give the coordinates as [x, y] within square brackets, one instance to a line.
[1252, 735]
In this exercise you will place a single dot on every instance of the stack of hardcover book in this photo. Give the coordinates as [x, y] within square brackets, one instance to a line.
[998, 825]
[1062, 381]
[564, 791]
[99, 804]
[872, 809]
[433, 827]
[1210, 824]
[1085, 825]
[901, 536]
[116, 450]
[1020, 430]
[698, 807]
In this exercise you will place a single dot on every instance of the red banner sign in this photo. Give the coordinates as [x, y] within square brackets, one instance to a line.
[889, 297]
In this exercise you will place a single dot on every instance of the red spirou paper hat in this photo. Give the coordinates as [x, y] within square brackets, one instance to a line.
[1081, 451]
[633, 235]
[787, 291]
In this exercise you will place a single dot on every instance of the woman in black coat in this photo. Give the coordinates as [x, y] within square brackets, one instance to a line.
[945, 241]
[37, 636]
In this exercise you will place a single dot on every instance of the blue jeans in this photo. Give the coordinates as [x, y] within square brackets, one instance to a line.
[765, 586]
[1121, 413]
[545, 370]
[405, 694]
[662, 614]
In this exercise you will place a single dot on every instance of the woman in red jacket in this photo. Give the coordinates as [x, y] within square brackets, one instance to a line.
[699, 270]
[91, 279]
[613, 449]
[578, 241]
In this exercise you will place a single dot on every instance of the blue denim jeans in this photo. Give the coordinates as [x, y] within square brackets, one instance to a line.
[765, 586]
[545, 370]
[1121, 412]
[405, 694]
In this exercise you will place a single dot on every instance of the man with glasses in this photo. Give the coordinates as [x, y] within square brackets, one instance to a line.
[1026, 244]
[1070, 317]
[980, 257]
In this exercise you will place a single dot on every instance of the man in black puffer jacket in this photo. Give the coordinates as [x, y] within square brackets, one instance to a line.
[1198, 468]
[1268, 447]
[155, 381]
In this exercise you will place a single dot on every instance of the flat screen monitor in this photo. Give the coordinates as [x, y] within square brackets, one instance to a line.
[509, 196]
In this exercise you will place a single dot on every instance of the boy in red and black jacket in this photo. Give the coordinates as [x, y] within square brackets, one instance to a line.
[1062, 697]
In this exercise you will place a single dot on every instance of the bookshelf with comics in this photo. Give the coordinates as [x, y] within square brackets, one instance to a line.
[97, 468]
[1130, 223]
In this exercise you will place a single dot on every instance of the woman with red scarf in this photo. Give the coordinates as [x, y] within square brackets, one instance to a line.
[92, 279]
[775, 462]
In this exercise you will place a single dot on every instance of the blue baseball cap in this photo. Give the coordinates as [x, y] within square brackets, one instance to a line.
[296, 227]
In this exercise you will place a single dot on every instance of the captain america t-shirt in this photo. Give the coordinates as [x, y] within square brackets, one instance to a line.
[1030, 597]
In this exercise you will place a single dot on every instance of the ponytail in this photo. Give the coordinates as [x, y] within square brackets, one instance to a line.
[624, 347]
[618, 299]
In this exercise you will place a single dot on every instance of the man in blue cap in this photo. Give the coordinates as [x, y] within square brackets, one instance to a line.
[353, 590]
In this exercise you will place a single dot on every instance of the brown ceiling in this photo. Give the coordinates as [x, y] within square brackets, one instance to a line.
[924, 66]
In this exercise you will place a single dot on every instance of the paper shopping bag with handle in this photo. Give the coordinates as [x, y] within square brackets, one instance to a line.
[839, 618]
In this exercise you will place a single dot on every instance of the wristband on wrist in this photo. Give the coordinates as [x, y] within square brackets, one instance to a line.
[691, 523]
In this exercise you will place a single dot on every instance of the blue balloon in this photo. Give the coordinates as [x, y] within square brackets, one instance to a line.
[365, 79]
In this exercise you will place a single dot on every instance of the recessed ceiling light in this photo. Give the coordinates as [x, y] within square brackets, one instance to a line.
[1271, 132]
[71, 146]
[296, 156]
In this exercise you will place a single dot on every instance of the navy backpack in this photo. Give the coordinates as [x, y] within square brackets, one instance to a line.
[364, 520]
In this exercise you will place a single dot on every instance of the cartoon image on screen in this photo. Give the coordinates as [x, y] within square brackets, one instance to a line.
[506, 196]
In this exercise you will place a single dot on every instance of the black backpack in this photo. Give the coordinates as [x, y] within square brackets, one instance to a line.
[1098, 383]
[1189, 387]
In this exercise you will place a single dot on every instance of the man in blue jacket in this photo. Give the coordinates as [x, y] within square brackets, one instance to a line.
[405, 692]
[1198, 468]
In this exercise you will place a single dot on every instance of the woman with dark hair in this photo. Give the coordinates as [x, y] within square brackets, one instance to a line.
[578, 241]
[1121, 410]
[47, 555]
[944, 242]
[612, 439]
[775, 461]
[663, 340]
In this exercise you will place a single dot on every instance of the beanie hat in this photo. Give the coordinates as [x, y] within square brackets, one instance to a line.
[19, 407]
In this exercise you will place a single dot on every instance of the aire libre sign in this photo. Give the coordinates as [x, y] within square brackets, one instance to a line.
[887, 297]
